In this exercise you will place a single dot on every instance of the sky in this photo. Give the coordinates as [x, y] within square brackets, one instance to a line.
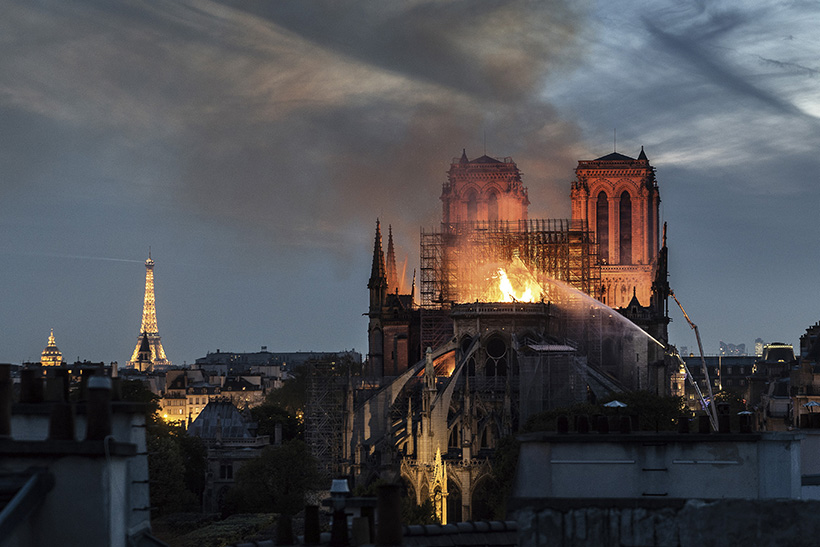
[252, 145]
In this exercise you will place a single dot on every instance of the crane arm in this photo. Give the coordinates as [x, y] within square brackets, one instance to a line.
[710, 409]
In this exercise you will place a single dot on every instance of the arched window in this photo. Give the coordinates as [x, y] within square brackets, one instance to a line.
[492, 207]
[472, 206]
[626, 229]
[602, 226]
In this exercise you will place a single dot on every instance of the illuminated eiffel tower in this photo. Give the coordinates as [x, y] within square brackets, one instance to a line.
[143, 359]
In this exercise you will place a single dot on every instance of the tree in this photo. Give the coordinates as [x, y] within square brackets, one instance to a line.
[293, 393]
[505, 463]
[654, 412]
[411, 512]
[166, 469]
[274, 482]
[268, 415]
[177, 462]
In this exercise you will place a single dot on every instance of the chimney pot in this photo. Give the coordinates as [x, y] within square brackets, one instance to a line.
[5, 401]
[98, 413]
[31, 385]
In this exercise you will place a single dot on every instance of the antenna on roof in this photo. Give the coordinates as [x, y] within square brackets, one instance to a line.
[615, 139]
[485, 141]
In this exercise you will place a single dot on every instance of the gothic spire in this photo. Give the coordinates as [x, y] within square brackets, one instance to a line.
[392, 275]
[378, 274]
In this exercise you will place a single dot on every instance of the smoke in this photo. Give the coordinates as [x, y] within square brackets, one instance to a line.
[296, 124]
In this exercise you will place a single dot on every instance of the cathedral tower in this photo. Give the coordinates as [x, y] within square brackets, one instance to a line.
[377, 285]
[149, 333]
[483, 190]
[617, 196]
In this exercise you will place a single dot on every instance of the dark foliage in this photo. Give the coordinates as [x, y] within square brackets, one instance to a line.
[274, 482]
[177, 462]
[411, 512]
[652, 412]
[267, 415]
[505, 463]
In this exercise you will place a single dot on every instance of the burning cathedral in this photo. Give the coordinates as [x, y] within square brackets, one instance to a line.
[513, 316]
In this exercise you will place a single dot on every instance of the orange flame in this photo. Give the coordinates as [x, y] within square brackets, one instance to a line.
[515, 283]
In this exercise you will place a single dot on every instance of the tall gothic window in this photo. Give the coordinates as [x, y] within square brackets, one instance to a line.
[602, 226]
[472, 207]
[492, 207]
[626, 228]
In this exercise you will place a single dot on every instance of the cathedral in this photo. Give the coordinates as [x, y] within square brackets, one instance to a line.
[513, 316]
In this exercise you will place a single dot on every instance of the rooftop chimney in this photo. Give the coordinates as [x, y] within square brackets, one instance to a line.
[5, 401]
[98, 413]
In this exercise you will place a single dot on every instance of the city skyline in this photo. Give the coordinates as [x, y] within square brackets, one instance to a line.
[253, 146]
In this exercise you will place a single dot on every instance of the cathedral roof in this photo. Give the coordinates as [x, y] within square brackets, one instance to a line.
[634, 303]
[222, 417]
[486, 159]
[615, 156]
[814, 352]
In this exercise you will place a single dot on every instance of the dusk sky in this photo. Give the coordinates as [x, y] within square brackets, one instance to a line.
[252, 145]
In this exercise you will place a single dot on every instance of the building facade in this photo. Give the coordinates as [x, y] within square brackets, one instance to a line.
[483, 190]
[617, 196]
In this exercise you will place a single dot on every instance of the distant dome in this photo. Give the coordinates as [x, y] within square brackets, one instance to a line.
[51, 356]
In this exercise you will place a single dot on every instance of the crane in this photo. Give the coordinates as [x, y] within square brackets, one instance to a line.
[710, 408]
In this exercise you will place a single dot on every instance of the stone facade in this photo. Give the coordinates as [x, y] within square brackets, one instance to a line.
[483, 190]
[618, 197]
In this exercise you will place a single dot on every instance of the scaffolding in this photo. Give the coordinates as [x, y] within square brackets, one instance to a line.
[324, 416]
[553, 249]
[550, 377]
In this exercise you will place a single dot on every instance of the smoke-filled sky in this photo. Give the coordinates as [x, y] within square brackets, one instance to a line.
[252, 145]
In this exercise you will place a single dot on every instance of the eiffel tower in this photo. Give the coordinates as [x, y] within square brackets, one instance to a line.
[149, 333]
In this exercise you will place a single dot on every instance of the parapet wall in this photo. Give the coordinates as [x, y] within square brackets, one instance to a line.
[561, 522]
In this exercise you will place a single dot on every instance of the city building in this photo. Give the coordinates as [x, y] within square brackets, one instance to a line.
[187, 392]
[234, 363]
[769, 392]
[759, 346]
[729, 373]
[727, 349]
[230, 439]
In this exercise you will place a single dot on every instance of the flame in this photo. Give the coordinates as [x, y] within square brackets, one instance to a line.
[515, 283]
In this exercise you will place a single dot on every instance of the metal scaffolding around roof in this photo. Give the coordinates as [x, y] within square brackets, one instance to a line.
[556, 249]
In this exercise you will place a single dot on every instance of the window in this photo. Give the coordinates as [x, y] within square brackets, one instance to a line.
[492, 207]
[226, 471]
[602, 226]
[626, 228]
[472, 207]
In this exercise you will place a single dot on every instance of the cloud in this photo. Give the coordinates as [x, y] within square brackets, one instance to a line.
[298, 123]
[689, 48]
